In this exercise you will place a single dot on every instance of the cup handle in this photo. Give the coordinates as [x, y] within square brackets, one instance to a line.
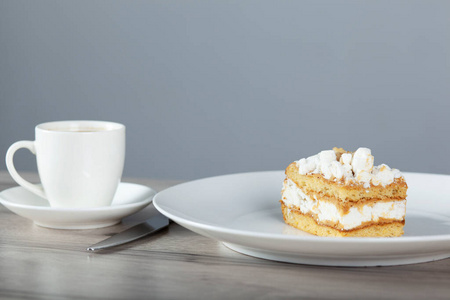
[38, 190]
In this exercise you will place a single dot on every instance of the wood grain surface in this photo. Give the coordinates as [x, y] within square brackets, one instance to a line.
[41, 263]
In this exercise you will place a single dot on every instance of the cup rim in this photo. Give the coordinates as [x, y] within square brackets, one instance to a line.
[66, 125]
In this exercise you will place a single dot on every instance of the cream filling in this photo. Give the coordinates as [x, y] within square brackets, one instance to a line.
[326, 211]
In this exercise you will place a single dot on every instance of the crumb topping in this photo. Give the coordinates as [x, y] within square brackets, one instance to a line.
[348, 167]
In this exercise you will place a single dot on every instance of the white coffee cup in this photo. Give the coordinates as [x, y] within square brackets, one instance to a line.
[80, 163]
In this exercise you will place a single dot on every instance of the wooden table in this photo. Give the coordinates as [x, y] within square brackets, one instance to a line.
[176, 263]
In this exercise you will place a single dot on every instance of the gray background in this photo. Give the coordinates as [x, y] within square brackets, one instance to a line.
[214, 87]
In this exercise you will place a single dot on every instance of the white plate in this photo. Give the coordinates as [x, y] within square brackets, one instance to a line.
[128, 199]
[242, 211]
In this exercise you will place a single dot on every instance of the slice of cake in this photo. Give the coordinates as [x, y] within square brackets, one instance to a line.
[339, 193]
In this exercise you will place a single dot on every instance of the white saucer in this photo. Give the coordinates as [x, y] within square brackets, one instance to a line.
[129, 199]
